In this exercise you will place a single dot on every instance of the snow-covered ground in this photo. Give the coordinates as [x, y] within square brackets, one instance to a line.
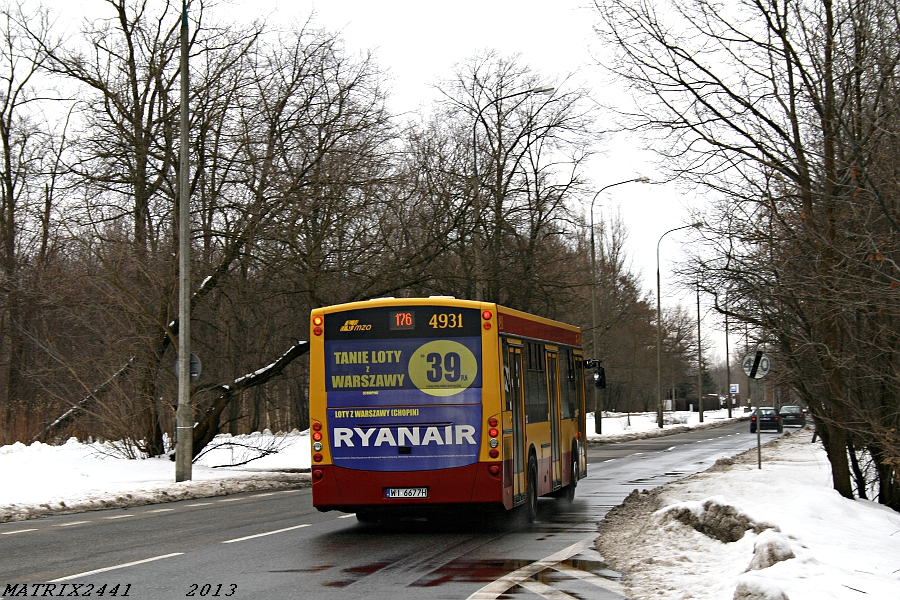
[40, 479]
[834, 548]
[799, 539]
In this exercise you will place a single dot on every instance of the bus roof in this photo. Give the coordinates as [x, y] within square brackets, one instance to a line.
[510, 321]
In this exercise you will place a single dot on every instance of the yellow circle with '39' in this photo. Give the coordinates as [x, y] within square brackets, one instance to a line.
[442, 368]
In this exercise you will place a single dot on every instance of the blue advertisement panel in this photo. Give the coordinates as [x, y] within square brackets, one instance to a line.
[404, 438]
[403, 387]
[410, 371]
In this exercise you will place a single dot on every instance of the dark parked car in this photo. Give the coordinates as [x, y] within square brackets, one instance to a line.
[792, 415]
[768, 419]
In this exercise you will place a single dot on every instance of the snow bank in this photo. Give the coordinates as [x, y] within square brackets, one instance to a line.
[801, 540]
[41, 479]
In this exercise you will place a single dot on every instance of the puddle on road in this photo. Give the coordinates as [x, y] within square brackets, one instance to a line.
[470, 571]
[485, 571]
[308, 570]
[357, 573]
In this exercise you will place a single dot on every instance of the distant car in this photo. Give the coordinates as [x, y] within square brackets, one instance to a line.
[767, 418]
[792, 415]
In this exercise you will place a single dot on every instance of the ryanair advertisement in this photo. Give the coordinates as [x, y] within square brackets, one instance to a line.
[404, 387]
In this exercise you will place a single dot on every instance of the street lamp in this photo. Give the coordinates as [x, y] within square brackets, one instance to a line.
[598, 412]
[546, 89]
[659, 405]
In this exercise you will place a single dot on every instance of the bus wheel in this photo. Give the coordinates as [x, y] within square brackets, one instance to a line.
[531, 492]
[367, 516]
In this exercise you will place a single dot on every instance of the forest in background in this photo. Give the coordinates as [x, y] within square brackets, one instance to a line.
[306, 191]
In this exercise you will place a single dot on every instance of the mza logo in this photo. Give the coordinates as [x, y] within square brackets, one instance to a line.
[353, 325]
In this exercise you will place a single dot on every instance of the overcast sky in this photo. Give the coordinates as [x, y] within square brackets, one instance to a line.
[418, 42]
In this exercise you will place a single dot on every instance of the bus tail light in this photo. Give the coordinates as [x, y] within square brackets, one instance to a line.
[317, 440]
[494, 470]
[487, 316]
[317, 324]
[493, 432]
[317, 474]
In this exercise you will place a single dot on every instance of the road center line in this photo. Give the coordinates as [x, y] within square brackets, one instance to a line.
[70, 524]
[118, 517]
[250, 537]
[16, 531]
[122, 566]
[160, 510]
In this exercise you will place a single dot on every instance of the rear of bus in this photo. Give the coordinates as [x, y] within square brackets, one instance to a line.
[396, 410]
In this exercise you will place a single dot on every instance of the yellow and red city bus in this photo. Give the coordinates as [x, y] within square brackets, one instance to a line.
[421, 404]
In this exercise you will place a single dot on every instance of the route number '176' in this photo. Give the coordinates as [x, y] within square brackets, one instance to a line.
[446, 321]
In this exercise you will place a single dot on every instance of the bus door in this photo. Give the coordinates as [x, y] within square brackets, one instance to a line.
[514, 403]
[553, 389]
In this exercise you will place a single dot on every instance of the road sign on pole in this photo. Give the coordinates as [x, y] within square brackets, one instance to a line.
[756, 366]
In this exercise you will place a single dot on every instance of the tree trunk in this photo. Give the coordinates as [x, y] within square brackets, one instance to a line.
[834, 440]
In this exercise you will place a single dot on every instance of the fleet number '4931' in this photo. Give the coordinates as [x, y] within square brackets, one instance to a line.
[446, 321]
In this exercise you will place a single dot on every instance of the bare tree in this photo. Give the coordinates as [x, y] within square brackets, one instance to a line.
[785, 110]
[532, 149]
[26, 199]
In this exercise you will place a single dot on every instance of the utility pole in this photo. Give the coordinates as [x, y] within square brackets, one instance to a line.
[184, 416]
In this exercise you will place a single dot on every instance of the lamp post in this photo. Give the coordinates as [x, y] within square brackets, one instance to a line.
[477, 216]
[659, 405]
[598, 410]
[727, 359]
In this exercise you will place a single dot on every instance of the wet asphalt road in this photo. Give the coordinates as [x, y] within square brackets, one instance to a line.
[274, 545]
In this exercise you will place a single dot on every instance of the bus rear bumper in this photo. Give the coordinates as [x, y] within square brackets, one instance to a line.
[337, 488]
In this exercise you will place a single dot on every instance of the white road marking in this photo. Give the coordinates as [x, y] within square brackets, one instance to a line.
[118, 517]
[16, 531]
[230, 500]
[347, 516]
[197, 504]
[70, 524]
[497, 588]
[545, 591]
[160, 510]
[250, 537]
[122, 566]
[261, 495]
[607, 584]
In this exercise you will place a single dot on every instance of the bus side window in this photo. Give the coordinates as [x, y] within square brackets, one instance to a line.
[536, 407]
[507, 386]
[567, 387]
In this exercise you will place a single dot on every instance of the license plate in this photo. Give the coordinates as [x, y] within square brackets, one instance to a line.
[418, 492]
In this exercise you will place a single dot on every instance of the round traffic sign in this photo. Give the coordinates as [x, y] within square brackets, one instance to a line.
[195, 367]
[756, 366]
